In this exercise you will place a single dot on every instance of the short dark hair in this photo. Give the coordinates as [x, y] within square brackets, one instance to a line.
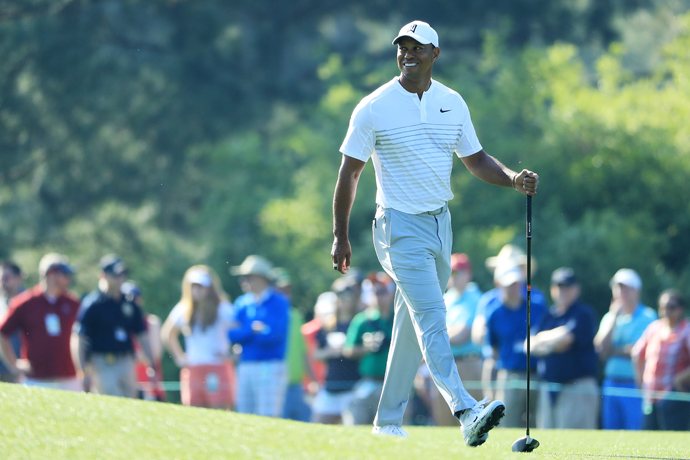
[11, 266]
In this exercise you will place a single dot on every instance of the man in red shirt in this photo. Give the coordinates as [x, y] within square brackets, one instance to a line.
[44, 316]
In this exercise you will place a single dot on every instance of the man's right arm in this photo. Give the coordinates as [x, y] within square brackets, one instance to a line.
[7, 356]
[9, 325]
[343, 198]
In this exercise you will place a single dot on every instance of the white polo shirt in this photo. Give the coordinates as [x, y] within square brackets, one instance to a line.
[411, 142]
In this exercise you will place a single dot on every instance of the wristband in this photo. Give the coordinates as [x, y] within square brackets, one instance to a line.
[513, 181]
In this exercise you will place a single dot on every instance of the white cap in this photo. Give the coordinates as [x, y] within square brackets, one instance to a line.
[420, 31]
[54, 260]
[199, 277]
[627, 277]
[508, 274]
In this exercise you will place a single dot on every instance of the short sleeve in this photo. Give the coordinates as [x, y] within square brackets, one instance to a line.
[353, 332]
[138, 321]
[176, 316]
[494, 340]
[468, 143]
[360, 138]
[85, 318]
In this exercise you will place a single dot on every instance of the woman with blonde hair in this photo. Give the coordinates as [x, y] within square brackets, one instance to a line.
[204, 316]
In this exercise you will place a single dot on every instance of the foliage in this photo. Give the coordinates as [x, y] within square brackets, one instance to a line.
[180, 132]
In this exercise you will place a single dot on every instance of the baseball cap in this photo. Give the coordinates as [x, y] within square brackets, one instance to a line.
[129, 287]
[460, 262]
[508, 274]
[53, 261]
[420, 31]
[112, 265]
[627, 277]
[199, 277]
[253, 265]
[564, 276]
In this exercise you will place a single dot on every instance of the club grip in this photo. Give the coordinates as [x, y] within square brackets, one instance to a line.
[529, 216]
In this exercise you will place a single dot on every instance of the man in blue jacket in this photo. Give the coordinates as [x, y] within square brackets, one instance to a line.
[261, 329]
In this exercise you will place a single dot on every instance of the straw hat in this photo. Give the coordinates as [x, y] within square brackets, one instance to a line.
[253, 265]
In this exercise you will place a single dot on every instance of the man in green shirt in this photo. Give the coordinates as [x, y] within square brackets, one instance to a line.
[368, 339]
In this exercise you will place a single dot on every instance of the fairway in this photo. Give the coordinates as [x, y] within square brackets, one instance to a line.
[45, 424]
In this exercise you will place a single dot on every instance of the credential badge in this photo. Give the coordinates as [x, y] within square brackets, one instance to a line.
[127, 309]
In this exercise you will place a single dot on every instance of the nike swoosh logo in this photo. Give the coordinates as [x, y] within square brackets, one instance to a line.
[444, 111]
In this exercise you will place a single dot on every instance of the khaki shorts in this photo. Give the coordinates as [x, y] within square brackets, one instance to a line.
[114, 375]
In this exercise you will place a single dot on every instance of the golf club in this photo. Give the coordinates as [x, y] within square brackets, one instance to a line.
[528, 443]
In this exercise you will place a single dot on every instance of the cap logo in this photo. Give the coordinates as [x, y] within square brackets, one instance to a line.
[413, 28]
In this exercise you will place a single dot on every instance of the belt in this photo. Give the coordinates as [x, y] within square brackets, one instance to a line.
[110, 358]
[438, 211]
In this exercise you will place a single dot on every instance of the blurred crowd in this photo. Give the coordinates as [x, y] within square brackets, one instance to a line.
[258, 355]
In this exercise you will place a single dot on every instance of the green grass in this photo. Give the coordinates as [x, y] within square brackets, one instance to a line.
[47, 425]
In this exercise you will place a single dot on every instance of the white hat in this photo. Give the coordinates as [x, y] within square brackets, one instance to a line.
[508, 274]
[54, 260]
[254, 265]
[627, 277]
[509, 254]
[420, 31]
[199, 277]
[325, 304]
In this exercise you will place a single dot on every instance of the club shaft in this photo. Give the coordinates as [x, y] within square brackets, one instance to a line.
[529, 297]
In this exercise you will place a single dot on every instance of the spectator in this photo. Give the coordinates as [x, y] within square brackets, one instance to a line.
[368, 340]
[295, 407]
[324, 309]
[511, 255]
[204, 316]
[507, 330]
[564, 345]
[262, 317]
[149, 387]
[461, 300]
[44, 316]
[662, 363]
[619, 329]
[107, 321]
[341, 372]
[12, 284]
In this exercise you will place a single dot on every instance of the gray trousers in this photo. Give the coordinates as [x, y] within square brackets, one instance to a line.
[415, 251]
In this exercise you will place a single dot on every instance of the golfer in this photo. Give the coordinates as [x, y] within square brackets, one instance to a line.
[410, 127]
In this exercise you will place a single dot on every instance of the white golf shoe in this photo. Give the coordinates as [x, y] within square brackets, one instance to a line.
[390, 430]
[479, 420]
